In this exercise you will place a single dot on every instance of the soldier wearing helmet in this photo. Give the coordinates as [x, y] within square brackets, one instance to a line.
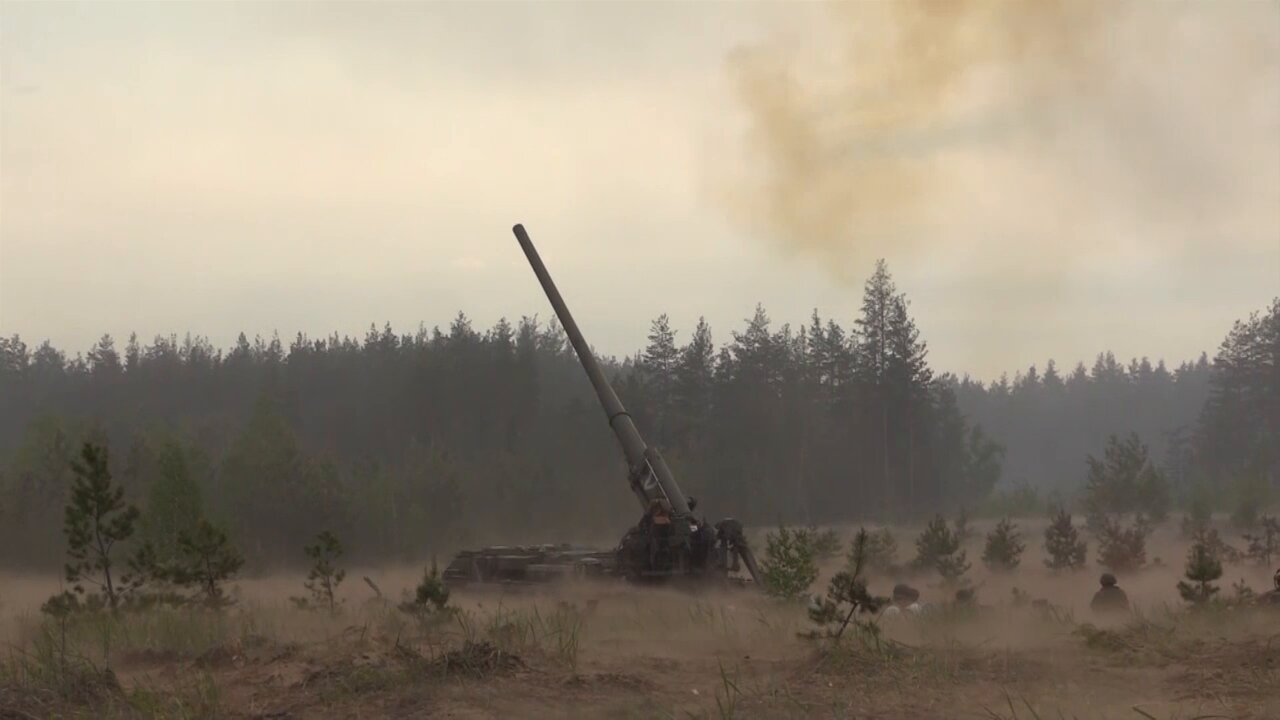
[1109, 599]
[1272, 598]
[906, 599]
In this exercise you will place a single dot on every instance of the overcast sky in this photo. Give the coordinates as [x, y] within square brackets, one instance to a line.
[1042, 186]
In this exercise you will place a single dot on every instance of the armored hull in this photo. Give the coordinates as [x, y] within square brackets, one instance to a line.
[705, 555]
[524, 565]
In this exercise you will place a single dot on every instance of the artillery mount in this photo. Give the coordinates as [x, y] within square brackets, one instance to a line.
[668, 545]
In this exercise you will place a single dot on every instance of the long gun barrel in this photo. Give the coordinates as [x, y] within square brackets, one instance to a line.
[651, 479]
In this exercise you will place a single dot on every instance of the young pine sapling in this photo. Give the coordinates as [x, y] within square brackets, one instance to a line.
[789, 566]
[1065, 548]
[205, 561]
[938, 548]
[1264, 545]
[1004, 547]
[96, 521]
[325, 576]
[1201, 570]
[847, 595]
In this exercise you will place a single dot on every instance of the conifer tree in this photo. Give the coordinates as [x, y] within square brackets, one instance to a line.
[660, 355]
[1218, 547]
[789, 565]
[205, 561]
[878, 550]
[97, 521]
[430, 597]
[847, 595]
[938, 548]
[174, 502]
[1125, 481]
[325, 576]
[1239, 425]
[1122, 548]
[1004, 547]
[1264, 545]
[693, 384]
[660, 358]
[824, 544]
[1063, 544]
[1201, 570]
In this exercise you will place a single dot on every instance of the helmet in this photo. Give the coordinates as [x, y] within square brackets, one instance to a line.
[1108, 580]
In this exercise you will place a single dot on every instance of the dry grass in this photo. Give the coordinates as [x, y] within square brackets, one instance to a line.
[605, 651]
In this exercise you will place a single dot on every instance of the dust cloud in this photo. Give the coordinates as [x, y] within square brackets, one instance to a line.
[590, 649]
[1151, 587]
[1029, 136]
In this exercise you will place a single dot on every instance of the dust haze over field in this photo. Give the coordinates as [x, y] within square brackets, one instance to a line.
[590, 650]
[1027, 143]
[1152, 587]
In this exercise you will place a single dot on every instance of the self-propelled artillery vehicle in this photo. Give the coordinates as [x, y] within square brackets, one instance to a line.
[668, 545]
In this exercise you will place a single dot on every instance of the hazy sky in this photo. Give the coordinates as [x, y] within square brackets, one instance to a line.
[1042, 184]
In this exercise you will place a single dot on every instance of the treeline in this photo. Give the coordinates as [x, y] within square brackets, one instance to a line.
[1050, 420]
[1213, 427]
[406, 444]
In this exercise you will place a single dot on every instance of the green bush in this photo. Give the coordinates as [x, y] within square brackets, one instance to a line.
[938, 548]
[1065, 548]
[1201, 570]
[1004, 547]
[789, 566]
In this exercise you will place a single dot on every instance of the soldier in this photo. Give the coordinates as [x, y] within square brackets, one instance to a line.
[913, 601]
[966, 604]
[1110, 598]
[658, 520]
[659, 512]
[905, 600]
[1272, 598]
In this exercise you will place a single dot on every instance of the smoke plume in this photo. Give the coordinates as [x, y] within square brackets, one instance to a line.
[1031, 135]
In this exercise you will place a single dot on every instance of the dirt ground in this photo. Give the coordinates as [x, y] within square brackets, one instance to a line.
[604, 651]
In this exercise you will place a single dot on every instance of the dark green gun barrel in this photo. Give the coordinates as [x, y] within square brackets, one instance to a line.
[651, 479]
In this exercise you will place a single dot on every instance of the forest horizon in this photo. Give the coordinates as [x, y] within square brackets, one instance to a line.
[457, 435]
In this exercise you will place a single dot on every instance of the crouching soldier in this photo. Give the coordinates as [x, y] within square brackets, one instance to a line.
[1110, 599]
[1272, 599]
[905, 601]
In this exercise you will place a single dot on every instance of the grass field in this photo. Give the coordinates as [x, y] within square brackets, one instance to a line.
[604, 651]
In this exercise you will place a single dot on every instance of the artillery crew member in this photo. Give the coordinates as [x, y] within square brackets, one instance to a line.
[658, 520]
[659, 512]
[1272, 598]
[905, 600]
[1110, 598]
